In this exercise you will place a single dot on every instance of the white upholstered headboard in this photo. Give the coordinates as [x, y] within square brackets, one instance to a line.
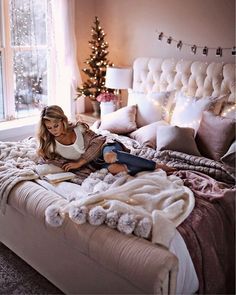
[195, 78]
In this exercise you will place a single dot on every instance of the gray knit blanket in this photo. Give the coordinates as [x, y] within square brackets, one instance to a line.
[182, 161]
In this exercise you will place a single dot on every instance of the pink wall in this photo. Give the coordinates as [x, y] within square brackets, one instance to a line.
[131, 27]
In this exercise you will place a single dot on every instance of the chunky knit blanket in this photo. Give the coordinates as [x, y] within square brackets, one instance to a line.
[17, 163]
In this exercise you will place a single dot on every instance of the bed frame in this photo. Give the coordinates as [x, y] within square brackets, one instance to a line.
[88, 259]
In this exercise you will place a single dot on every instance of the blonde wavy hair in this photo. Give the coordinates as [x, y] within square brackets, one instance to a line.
[46, 140]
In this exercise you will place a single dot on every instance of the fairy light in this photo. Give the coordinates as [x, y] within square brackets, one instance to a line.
[229, 110]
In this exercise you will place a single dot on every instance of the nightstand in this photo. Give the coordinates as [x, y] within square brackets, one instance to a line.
[87, 118]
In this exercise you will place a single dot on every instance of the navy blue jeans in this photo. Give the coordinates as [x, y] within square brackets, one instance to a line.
[134, 163]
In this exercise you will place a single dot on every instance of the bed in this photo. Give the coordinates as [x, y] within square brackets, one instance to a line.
[184, 247]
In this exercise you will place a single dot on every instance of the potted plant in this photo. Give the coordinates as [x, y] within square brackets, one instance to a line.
[108, 102]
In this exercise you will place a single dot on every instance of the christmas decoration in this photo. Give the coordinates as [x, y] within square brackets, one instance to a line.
[205, 50]
[194, 47]
[97, 64]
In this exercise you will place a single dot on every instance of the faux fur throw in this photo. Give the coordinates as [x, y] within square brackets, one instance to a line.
[150, 201]
[17, 163]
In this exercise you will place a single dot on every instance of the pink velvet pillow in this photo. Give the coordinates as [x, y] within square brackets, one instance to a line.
[122, 121]
[146, 135]
[215, 135]
[175, 138]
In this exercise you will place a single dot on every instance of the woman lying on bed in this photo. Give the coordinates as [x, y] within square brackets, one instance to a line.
[80, 146]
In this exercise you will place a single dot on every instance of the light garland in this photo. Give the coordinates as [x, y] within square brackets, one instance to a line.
[193, 47]
[230, 109]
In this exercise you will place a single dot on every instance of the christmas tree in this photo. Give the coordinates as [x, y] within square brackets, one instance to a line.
[97, 64]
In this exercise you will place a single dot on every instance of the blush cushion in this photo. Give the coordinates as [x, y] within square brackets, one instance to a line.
[146, 135]
[176, 138]
[215, 135]
[122, 121]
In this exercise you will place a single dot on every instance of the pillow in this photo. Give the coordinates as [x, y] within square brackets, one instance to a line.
[180, 139]
[229, 157]
[152, 107]
[122, 121]
[215, 135]
[146, 135]
[188, 110]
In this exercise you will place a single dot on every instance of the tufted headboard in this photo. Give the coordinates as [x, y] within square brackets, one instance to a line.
[195, 78]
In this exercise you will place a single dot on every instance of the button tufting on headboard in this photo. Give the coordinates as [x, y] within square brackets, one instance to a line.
[196, 78]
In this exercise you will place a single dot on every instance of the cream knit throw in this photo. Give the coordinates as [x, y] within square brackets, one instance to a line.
[163, 199]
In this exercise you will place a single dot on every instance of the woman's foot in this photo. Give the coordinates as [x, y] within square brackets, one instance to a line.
[110, 157]
[117, 168]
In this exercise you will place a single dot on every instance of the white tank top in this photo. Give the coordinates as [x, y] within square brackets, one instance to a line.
[74, 150]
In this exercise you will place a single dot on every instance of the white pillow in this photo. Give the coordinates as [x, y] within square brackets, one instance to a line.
[188, 110]
[152, 107]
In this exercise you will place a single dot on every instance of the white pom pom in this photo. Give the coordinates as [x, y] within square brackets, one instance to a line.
[126, 223]
[100, 174]
[97, 215]
[143, 228]
[78, 214]
[112, 219]
[109, 178]
[76, 195]
[54, 216]
[103, 171]
[88, 184]
[100, 187]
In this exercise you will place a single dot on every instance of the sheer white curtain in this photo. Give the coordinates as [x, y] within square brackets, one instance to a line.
[65, 75]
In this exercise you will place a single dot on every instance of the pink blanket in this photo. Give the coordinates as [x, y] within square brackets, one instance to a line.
[209, 232]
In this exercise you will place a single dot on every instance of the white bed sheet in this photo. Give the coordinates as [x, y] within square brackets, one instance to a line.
[187, 280]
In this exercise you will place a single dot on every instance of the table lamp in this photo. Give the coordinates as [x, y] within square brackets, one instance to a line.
[118, 78]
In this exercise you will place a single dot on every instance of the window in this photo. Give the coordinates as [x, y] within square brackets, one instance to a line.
[24, 57]
[38, 57]
[1, 90]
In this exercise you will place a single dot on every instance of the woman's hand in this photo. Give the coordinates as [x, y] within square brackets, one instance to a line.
[73, 165]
